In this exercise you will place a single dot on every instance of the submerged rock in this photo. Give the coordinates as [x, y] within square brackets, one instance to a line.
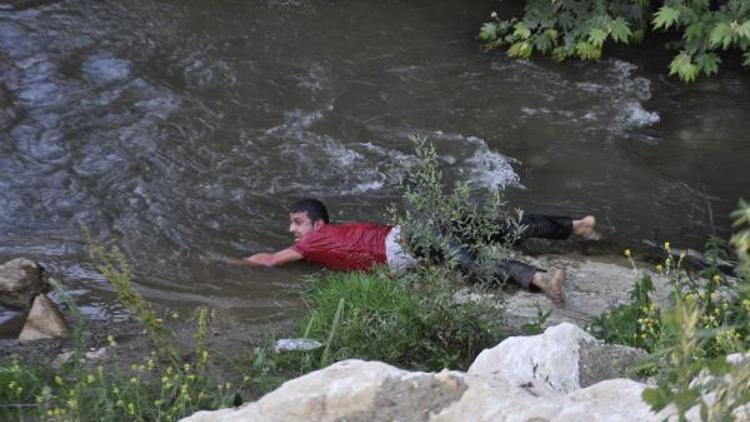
[545, 385]
[20, 280]
[44, 321]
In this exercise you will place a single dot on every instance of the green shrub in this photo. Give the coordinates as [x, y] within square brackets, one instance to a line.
[437, 221]
[581, 28]
[410, 321]
[707, 319]
[636, 324]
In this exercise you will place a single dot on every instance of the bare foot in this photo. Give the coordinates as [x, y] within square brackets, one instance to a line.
[551, 284]
[585, 228]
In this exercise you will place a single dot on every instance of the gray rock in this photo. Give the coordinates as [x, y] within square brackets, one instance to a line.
[591, 287]
[545, 388]
[44, 321]
[599, 362]
[20, 281]
[92, 355]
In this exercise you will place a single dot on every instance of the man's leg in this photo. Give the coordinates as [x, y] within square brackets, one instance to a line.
[527, 276]
[519, 273]
[553, 227]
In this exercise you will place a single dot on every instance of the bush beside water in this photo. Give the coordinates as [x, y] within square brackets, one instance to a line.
[582, 28]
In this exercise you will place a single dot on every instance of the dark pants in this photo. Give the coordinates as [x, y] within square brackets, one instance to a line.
[538, 226]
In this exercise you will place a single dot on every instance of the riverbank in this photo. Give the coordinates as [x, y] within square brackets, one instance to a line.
[241, 354]
[222, 362]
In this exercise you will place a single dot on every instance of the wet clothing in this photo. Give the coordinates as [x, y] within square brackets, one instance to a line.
[345, 247]
[546, 227]
[361, 246]
[535, 225]
[538, 226]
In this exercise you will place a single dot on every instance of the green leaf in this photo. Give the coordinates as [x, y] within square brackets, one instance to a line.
[685, 399]
[521, 49]
[656, 398]
[488, 32]
[722, 34]
[708, 63]
[561, 53]
[521, 31]
[638, 36]
[744, 30]
[719, 366]
[683, 66]
[666, 17]
[695, 31]
[588, 51]
[746, 62]
[543, 43]
[620, 30]
[597, 36]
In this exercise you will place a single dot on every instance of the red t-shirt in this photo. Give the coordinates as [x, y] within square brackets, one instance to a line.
[346, 247]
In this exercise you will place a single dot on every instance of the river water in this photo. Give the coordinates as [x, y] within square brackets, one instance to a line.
[180, 130]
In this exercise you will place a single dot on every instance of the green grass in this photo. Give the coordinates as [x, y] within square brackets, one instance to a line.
[409, 322]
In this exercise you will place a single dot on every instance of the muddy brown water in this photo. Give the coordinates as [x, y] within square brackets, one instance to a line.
[179, 131]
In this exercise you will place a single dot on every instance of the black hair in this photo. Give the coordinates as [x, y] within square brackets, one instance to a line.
[315, 209]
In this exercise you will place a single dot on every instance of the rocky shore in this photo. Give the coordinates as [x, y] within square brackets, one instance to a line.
[563, 374]
[554, 376]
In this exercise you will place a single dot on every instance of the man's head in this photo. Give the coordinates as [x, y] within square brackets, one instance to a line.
[306, 216]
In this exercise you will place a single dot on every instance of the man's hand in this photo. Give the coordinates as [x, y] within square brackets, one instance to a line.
[270, 259]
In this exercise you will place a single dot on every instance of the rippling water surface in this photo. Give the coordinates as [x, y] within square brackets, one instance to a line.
[179, 131]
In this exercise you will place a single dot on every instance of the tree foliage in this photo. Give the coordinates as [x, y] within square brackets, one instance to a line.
[582, 28]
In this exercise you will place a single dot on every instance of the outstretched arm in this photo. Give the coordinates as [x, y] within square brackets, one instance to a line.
[270, 259]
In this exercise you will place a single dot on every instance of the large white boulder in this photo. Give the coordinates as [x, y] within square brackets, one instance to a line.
[549, 359]
[521, 379]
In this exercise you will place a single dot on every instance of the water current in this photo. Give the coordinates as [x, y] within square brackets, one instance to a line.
[180, 130]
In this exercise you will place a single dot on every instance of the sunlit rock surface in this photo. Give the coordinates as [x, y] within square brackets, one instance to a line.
[44, 321]
[530, 384]
[591, 288]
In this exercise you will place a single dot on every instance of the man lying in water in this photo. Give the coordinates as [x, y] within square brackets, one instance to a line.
[362, 246]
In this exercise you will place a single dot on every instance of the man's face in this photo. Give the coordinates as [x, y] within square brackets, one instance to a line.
[300, 225]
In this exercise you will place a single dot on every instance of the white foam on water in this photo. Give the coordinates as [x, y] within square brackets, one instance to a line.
[622, 96]
[636, 115]
[608, 97]
[486, 168]
[296, 120]
[105, 68]
[315, 80]
[491, 169]
[318, 163]
[363, 187]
